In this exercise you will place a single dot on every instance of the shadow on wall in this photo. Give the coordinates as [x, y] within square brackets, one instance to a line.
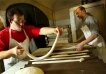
[1, 23]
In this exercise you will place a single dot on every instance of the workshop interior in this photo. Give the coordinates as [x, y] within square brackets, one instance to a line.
[57, 54]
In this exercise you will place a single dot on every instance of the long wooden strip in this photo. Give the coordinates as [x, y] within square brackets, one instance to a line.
[65, 52]
[65, 58]
[72, 56]
[58, 61]
[74, 47]
[66, 55]
[62, 58]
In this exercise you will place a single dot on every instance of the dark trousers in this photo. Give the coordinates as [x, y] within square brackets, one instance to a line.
[1, 66]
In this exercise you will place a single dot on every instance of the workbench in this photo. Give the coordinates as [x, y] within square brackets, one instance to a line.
[91, 65]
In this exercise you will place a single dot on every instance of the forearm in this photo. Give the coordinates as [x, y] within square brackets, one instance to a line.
[46, 30]
[89, 39]
[81, 38]
[5, 54]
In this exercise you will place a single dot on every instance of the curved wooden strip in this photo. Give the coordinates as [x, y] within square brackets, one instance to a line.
[46, 55]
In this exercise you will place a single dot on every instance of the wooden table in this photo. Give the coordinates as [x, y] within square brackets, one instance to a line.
[89, 66]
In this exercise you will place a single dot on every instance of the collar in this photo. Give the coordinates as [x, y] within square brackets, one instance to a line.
[83, 19]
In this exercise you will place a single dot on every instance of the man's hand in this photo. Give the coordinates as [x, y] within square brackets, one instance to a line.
[79, 46]
[17, 50]
[58, 30]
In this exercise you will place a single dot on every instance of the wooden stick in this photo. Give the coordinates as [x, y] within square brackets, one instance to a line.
[46, 55]
[74, 47]
[65, 52]
[80, 56]
[58, 61]
[62, 58]
[66, 55]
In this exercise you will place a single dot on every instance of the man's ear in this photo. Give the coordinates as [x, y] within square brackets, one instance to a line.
[9, 20]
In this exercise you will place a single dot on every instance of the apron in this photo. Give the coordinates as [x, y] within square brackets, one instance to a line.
[98, 42]
[12, 43]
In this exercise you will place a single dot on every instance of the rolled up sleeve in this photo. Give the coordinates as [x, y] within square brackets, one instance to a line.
[92, 24]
